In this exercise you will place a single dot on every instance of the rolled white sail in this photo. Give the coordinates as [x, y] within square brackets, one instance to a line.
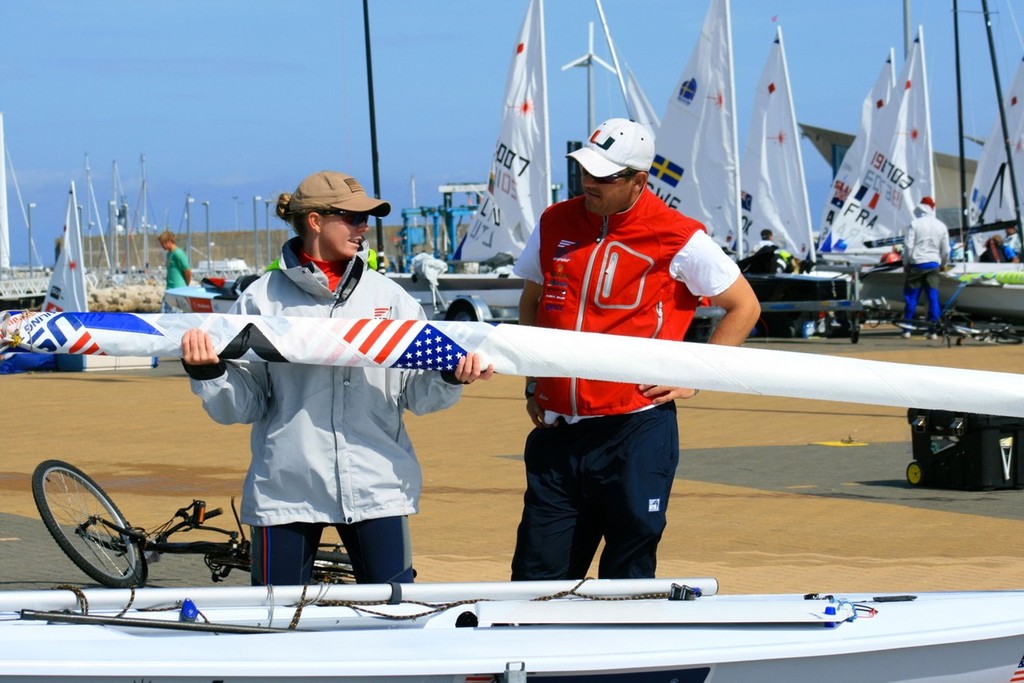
[522, 350]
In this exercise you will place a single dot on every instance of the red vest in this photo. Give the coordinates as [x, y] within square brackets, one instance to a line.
[615, 283]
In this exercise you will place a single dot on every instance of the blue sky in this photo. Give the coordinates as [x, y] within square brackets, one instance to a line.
[231, 99]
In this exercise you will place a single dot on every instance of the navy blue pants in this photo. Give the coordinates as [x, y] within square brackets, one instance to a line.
[604, 477]
[380, 551]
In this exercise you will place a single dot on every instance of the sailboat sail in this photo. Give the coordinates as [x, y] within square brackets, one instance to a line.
[991, 197]
[877, 100]
[519, 185]
[5, 231]
[878, 188]
[696, 165]
[773, 192]
[640, 109]
[67, 284]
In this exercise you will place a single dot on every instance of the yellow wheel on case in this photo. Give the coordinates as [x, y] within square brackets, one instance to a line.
[914, 474]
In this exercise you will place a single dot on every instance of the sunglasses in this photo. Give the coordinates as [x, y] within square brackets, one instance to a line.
[350, 217]
[609, 179]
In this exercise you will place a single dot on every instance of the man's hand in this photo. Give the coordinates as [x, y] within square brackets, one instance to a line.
[661, 394]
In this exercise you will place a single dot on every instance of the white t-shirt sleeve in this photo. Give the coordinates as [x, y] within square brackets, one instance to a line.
[703, 267]
[527, 266]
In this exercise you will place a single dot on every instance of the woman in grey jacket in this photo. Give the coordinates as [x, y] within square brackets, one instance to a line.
[328, 443]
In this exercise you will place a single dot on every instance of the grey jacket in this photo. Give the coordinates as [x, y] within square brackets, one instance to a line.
[328, 443]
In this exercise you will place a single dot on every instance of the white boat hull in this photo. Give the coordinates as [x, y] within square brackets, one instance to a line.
[983, 297]
[493, 632]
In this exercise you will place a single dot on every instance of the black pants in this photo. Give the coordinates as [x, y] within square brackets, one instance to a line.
[603, 477]
[379, 549]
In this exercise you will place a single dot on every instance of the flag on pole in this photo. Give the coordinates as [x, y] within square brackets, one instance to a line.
[697, 135]
[519, 183]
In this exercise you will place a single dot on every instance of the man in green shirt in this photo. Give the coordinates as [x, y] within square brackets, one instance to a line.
[179, 273]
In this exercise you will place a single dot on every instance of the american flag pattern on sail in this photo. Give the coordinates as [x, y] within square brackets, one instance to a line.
[1018, 675]
[411, 344]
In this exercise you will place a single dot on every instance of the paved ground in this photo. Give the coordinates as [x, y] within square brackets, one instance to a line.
[761, 503]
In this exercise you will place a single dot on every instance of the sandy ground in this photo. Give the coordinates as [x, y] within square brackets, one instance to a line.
[146, 439]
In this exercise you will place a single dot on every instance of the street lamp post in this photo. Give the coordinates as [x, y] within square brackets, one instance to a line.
[188, 226]
[209, 244]
[255, 231]
[31, 205]
[266, 222]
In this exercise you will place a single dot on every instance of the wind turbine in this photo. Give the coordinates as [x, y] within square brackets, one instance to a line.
[588, 61]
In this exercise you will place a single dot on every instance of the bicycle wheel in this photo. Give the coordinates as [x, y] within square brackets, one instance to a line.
[84, 522]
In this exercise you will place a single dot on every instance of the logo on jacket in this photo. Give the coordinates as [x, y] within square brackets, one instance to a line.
[563, 248]
[381, 312]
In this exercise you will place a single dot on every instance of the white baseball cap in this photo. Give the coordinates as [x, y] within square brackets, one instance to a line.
[617, 144]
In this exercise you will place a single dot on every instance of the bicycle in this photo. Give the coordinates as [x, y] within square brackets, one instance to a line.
[94, 534]
[955, 327]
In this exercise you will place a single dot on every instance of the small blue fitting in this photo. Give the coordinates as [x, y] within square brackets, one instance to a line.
[189, 611]
[830, 611]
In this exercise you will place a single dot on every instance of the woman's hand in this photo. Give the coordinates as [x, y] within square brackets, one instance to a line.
[470, 369]
[197, 348]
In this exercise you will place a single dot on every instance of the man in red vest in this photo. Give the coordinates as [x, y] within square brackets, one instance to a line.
[602, 456]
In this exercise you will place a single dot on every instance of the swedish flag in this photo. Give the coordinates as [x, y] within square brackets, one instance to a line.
[666, 171]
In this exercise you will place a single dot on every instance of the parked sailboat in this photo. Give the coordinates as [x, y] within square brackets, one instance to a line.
[696, 165]
[773, 191]
[67, 291]
[886, 172]
[991, 194]
[519, 185]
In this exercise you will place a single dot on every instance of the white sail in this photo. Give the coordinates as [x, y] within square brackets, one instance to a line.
[880, 186]
[773, 191]
[991, 197]
[5, 231]
[640, 109]
[696, 165]
[519, 185]
[878, 98]
[67, 284]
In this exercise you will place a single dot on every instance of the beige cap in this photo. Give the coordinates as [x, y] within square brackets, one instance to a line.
[333, 190]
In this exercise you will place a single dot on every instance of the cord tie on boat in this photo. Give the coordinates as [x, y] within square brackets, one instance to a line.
[83, 602]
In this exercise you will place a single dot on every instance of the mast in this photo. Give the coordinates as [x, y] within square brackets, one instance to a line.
[373, 122]
[960, 121]
[1002, 114]
[615, 59]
